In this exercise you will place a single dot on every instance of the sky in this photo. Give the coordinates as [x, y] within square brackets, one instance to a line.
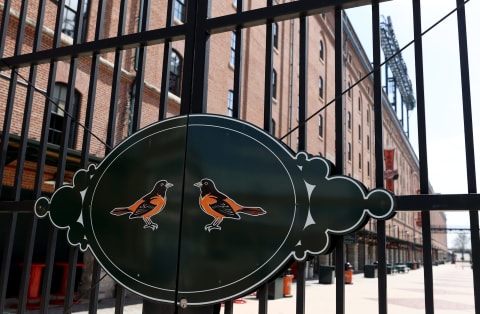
[443, 95]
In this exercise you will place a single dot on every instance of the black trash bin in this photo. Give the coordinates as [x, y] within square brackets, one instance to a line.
[370, 271]
[275, 289]
[326, 274]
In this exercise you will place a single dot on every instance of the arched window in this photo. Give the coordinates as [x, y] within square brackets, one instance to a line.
[320, 125]
[180, 10]
[274, 84]
[320, 86]
[176, 63]
[230, 103]
[349, 120]
[321, 50]
[58, 115]
[232, 48]
[275, 35]
[70, 12]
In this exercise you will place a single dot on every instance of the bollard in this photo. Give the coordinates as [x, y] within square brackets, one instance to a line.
[348, 273]
[287, 286]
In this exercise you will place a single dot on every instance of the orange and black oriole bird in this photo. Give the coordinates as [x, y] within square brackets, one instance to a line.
[148, 206]
[220, 206]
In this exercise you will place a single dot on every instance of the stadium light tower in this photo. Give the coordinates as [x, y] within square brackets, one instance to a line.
[399, 77]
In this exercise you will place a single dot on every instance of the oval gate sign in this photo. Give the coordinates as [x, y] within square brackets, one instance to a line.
[207, 208]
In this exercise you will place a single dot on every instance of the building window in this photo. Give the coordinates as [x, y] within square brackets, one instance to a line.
[230, 103]
[58, 116]
[368, 168]
[321, 50]
[234, 3]
[349, 152]
[320, 87]
[349, 94]
[70, 12]
[368, 116]
[275, 35]
[368, 142]
[273, 127]
[349, 120]
[359, 132]
[232, 49]
[274, 84]
[359, 161]
[359, 104]
[179, 10]
[320, 126]
[175, 73]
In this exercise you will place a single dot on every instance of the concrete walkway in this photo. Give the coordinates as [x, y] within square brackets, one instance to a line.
[453, 290]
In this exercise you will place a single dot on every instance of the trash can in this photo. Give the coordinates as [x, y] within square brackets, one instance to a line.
[275, 289]
[326, 274]
[370, 271]
[348, 273]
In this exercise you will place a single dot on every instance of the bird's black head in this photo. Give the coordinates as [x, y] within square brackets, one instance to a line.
[162, 186]
[206, 186]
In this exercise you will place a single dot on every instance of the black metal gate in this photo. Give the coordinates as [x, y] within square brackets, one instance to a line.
[40, 143]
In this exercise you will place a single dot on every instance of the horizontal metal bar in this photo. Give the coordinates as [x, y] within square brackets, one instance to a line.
[433, 202]
[437, 202]
[279, 12]
[17, 207]
[147, 38]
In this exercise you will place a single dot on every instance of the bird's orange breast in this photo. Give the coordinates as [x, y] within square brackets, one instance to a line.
[159, 203]
[205, 203]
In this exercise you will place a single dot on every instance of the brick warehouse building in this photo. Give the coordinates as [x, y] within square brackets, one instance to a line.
[404, 236]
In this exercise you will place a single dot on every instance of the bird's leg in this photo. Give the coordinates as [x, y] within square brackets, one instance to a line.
[214, 225]
[149, 223]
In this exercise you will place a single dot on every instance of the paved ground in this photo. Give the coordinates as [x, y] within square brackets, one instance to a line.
[453, 290]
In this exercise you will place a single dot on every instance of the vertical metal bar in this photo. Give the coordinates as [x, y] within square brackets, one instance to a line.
[7, 258]
[303, 84]
[469, 147]
[262, 295]
[167, 51]
[119, 299]
[339, 151]
[4, 28]
[188, 60]
[92, 87]
[117, 71]
[95, 288]
[200, 65]
[339, 274]
[267, 107]
[141, 58]
[72, 270]
[48, 271]
[422, 148]
[302, 140]
[43, 144]
[237, 75]
[379, 179]
[228, 307]
[300, 304]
